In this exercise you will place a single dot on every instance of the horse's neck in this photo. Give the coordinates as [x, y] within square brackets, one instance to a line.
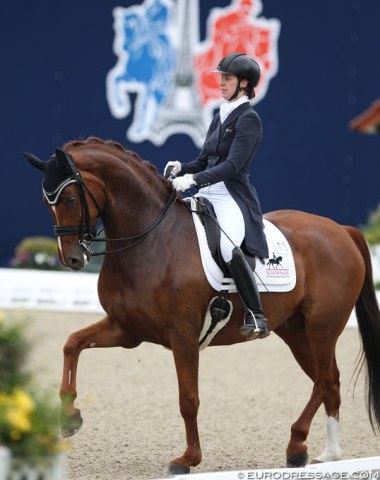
[133, 202]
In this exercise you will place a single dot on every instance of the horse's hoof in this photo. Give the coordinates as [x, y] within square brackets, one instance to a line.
[297, 460]
[71, 425]
[176, 469]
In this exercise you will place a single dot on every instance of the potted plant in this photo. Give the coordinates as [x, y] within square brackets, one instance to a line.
[29, 417]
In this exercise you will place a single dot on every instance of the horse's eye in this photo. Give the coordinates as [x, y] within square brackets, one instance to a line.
[70, 200]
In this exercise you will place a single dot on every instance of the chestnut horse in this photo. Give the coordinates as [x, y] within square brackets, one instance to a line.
[153, 288]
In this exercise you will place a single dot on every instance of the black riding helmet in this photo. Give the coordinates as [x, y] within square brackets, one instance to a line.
[242, 66]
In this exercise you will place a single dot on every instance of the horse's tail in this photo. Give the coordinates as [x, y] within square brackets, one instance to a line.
[368, 317]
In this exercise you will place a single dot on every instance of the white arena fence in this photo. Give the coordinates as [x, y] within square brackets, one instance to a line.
[60, 291]
[49, 290]
[354, 469]
[77, 292]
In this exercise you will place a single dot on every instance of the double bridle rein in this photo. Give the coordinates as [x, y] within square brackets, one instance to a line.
[86, 231]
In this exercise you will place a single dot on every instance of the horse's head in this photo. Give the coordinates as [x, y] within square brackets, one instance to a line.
[75, 200]
[93, 178]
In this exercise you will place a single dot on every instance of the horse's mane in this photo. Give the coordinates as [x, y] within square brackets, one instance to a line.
[129, 154]
[99, 141]
[111, 143]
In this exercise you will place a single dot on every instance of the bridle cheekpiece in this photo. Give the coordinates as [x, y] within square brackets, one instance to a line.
[86, 231]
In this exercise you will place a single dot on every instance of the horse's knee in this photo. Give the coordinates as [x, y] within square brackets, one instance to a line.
[71, 346]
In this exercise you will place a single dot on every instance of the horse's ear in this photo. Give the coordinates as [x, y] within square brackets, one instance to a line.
[63, 160]
[35, 161]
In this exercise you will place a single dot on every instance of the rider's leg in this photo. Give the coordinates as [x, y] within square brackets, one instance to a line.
[231, 221]
[255, 323]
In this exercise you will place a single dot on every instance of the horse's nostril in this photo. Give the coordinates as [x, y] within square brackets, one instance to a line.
[75, 263]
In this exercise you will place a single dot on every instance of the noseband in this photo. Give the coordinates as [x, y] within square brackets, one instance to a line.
[88, 233]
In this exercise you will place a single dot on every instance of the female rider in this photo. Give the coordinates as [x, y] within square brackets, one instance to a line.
[221, 173]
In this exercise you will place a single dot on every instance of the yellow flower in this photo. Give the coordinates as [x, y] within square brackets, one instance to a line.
[22, 401]
[18, 419]
[63, 446]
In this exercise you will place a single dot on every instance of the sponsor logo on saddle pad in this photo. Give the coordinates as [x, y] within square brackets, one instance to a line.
[275, 267]
[162, 61]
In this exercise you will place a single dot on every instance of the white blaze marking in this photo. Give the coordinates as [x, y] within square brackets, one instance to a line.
[58, 238]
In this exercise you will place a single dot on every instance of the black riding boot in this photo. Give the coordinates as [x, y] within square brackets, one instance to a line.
[255, 323]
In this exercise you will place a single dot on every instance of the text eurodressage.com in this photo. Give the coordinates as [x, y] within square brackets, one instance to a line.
[313, 476]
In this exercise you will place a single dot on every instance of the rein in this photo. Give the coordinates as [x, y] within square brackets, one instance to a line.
[88, 233]
[140, 236]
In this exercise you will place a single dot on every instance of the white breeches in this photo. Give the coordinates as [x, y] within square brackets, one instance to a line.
[229, 217]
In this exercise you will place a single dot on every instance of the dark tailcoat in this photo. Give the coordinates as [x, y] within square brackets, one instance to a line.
[226, 156]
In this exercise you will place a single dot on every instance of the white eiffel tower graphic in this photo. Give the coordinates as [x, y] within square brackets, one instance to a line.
[182, 111]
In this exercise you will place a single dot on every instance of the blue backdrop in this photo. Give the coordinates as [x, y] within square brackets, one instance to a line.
[55, 58]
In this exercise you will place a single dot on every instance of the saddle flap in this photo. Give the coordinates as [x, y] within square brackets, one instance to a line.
[206, 213]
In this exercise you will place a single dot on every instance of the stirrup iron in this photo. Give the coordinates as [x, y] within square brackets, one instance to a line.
[246, 329]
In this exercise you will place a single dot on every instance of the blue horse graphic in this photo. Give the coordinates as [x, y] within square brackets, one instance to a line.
[146, 62]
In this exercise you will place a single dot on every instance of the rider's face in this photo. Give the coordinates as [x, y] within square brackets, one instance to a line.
[228, 84]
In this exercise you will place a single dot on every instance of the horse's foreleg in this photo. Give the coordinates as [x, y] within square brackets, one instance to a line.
[101, 334]
[186, 357]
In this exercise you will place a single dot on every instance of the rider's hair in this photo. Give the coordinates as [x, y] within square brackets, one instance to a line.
[249, 89]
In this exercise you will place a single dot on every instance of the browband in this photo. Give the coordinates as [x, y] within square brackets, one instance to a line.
[53, 197]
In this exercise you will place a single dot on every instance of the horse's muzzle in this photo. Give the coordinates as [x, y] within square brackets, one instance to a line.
[73, 258]
[76, 262]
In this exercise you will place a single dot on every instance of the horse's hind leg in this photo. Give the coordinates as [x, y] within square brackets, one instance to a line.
[320, 365]
[332, 450]
[105, 333]
[295, 337]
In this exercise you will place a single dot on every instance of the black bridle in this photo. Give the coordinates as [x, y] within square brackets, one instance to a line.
[86, 231]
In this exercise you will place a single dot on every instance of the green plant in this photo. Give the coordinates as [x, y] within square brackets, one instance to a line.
[29, 418]
[29, 421]
[371, 230]
[14, 349]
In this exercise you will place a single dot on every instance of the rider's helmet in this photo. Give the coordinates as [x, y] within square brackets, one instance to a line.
[242, 66]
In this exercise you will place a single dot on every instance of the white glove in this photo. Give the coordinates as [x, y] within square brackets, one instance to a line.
[183, 183]
[176, 167]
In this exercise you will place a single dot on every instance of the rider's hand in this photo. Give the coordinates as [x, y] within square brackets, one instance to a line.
[184, 183]
[176, 168]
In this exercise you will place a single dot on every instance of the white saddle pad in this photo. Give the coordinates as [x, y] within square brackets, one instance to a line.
[278, 274]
